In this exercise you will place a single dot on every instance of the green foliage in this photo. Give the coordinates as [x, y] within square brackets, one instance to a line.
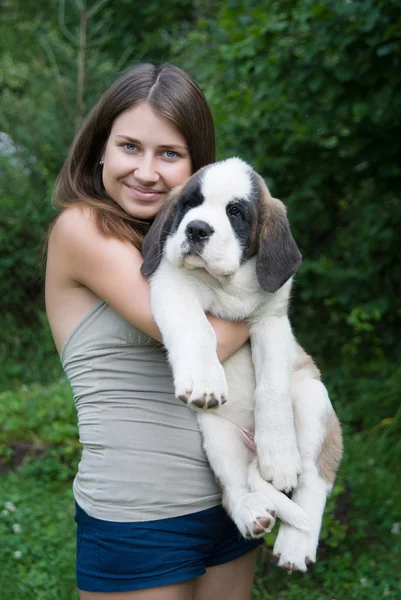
[43, 417]
[368, 403]
[25, 341]
[309, 93]
[37, 540]
[27, 350]
[47, 84]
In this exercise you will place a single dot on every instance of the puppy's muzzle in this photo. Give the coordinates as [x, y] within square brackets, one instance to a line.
[198, 232]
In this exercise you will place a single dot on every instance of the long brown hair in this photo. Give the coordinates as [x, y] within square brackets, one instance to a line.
[173, 94]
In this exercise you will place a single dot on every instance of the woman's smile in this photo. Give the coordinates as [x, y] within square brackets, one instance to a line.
[146, 194]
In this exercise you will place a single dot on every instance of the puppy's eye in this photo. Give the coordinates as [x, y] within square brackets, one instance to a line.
[234, 211]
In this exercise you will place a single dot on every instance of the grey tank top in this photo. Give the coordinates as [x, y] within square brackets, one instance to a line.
[142, 455]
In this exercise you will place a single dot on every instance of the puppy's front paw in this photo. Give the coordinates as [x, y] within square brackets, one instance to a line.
[279, 463]
[202, 387]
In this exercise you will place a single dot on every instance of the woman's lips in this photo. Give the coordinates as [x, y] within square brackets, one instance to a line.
[142, 194]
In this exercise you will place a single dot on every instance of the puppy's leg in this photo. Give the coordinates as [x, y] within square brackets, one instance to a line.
[319, 441]
[190, 340]
[253, 513]
[272, 345]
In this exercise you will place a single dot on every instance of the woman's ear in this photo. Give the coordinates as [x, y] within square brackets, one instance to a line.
[278, 256]
[153, 243]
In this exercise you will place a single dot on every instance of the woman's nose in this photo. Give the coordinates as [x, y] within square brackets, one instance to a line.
[146, 170]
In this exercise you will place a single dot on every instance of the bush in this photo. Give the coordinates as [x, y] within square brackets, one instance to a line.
[309, 93]
[44, 419]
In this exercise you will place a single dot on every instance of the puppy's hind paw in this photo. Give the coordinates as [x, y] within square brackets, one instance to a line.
[254, 515]
[264, 525]
[294, 549]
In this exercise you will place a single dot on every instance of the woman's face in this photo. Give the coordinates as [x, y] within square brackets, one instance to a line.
[144, 158]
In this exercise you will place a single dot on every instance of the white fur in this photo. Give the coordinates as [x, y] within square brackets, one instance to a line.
[230, 180]
[263, 393]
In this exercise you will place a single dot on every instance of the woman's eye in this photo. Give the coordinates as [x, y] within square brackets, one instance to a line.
[170, 154]
[234, 211]
[129, 146]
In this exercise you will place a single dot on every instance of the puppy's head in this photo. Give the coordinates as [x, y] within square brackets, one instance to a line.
[222, 216]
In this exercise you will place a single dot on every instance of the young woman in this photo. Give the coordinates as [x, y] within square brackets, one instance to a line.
[149, 515]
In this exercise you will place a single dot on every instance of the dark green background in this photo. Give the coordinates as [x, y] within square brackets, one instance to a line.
[309, 92]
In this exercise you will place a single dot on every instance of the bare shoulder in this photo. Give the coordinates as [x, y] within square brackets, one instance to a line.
[76, 232]
[79, 255]
[73, 224]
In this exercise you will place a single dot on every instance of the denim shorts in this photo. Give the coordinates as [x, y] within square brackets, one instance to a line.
[119, 557]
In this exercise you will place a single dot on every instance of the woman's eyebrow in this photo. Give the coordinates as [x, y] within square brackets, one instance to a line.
[161, 146]
[127, 137]
[172, 146]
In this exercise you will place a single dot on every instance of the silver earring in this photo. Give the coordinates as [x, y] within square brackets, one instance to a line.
[101, 162]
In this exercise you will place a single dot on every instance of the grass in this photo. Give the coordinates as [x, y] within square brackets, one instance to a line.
[361, 539]
[364, 564]
[38, 558]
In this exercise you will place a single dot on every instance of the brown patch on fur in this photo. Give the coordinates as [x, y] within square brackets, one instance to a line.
[306, 362]
[152, 247]
[253, 241]
[278, 255]
[331, 450]
[283, 312]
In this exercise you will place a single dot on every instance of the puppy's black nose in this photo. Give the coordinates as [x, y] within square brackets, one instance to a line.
[198, 231]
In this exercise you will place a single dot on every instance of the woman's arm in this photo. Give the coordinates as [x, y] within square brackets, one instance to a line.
[111, 270]
[230, 335]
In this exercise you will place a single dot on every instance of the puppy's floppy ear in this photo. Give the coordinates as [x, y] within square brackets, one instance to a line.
[278, 256]
[153, 243]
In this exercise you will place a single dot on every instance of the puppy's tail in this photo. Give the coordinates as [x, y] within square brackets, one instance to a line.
[286, 509]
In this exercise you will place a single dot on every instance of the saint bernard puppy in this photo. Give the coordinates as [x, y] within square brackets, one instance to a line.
[222, 245]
